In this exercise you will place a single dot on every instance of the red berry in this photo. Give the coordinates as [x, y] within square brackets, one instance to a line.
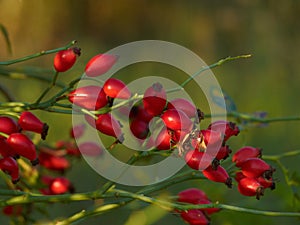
[164, 140]
[23, 146]
[239, 175]
[223, 152]
[155, 99]
[266, 183]
[184, 105]
[212, 137]
[255, 167]
[140, 113]
[191, 195]
[250, 187]
[90, 149]
[47, 179]
[53, 162]
[88, 97]
[228, 129]
[8, 125]
[12, 210]
[198, 160]
[60, 185]
[65, 59]
[10, 166]
[115, 88]
[176, 120]
[218, 175]
[108, 125]
[194, 217]
[5, 149]
[100, 64]
[139, 128]
[30, 122]
[245, 153]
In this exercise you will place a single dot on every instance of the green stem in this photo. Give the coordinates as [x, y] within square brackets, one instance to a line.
[203, 69]
[37, 54]
[279, 156]
[24, 73]
[48, 88]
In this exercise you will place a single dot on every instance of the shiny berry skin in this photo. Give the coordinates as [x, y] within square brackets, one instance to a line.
[53, 162]
[8, 125]
[89, 97]
[198, 160]
[108, 125]
[184, 105]
[223, 152]
[194, 217]
[245, 153]
[65, 59]
[139, 128]
[90, 149]
[176, 120]
[218, 175]
[250, 187]
[23, 146]
[29, 122]
[60, 185]
[228, 129]
[115, 88]
[155, 99]
[100, 64]
[191, 195]
[212, 137]
[10, 166]
[255, 167]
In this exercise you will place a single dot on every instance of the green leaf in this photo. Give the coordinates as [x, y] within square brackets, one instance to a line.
[6, 37]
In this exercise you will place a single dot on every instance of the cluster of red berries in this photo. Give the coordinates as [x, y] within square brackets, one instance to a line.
[255, 174]
[14, 142]
[196, 216]
[208, 148]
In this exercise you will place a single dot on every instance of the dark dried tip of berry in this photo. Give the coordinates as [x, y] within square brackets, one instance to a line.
[16, 180]
[16, 157]
[260, 152]
[200, 115]
[157, 87]
[259, 192]
[77, 51]
[215, 163]
[35, 162]
[228, 182]
[120, 139]
[273, 186]
[269, 173]
[110, 101]
[45, 131]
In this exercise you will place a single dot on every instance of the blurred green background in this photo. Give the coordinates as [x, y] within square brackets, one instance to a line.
[269, 81]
